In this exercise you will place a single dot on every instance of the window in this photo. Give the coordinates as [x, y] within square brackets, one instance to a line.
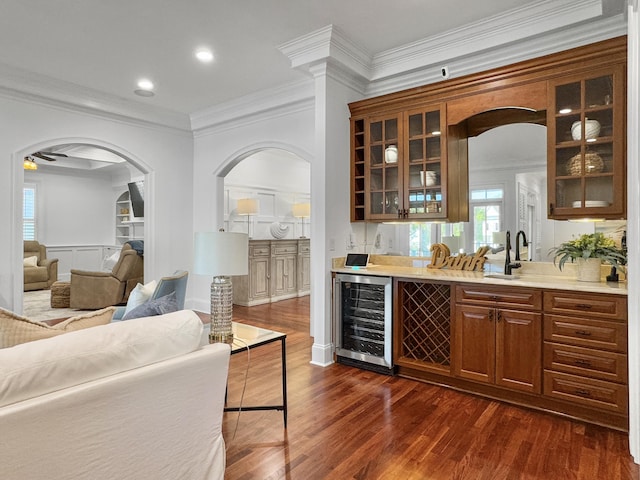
[29, 212]
[487, 211]
[423, 235]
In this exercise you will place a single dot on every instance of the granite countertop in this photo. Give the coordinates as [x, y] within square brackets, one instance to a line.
[534, 275]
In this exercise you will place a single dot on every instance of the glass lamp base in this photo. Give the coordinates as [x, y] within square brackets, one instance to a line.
[221, 310]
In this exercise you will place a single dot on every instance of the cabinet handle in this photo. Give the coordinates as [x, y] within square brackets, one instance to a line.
[399, 213]
[551, 209]
[495, 298]
[491, 315]
[499, 315]
[583, 363]
[583, 393]
[584, 306]
[584, 333]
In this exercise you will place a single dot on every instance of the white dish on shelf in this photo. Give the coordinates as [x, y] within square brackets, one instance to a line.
[590, 203]
[591, 129]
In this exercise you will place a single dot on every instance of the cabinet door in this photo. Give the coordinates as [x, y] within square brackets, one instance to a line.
[259, 278]
[475, 343]
[291, 274]
[425, 177]
[284, 275]
[586, 151]
[384, 157]
[518, 350]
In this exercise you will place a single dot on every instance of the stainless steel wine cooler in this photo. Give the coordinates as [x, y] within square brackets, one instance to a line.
[362, 316]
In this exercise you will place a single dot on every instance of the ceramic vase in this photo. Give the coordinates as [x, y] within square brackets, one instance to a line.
[588, 269]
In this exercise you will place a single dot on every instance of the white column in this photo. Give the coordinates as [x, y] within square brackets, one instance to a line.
[330, 177]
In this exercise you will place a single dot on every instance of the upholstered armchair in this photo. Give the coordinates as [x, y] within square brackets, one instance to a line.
[44, 272]
[94, 290]
[176, 283]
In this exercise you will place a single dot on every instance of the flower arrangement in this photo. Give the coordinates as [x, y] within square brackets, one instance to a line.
[593, 245]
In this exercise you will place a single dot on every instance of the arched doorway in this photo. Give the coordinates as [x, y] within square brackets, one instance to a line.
[66, 185]
[278, 177]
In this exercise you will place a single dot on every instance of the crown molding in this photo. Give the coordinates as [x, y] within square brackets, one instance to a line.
[17, 83]
[514, 25]
[256, 107]
[328, 43]
[529, 48]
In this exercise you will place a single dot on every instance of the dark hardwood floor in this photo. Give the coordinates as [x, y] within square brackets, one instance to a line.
[347, 423]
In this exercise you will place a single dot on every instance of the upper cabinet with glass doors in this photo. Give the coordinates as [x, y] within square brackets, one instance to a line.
[586, 149]
[409, 149]
[399, 167]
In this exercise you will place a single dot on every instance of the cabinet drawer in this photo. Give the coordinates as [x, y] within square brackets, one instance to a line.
[284, 248]
[259, 250]
[586, 332]
[584, 361]
[528, 298]
[304, 247]
[604, 306]
[586, 391]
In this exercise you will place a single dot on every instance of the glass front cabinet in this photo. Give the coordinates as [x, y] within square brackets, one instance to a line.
[399, 166]
[586, 146]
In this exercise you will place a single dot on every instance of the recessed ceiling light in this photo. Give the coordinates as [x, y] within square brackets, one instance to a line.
[145, 84]
[204, 55]
[145, 88]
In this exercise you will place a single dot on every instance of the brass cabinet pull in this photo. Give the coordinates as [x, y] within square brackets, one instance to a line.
[584, 306]
[491, 315]
[583, 393]
[499, 315]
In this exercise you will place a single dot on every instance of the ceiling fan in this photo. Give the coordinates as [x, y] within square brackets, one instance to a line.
[48, 155]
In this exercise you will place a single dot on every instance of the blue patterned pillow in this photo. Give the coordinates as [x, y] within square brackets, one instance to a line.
[159, 306]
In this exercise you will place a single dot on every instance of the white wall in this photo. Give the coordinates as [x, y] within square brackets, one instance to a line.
[165, 153]
[277, 179]
[73, 209]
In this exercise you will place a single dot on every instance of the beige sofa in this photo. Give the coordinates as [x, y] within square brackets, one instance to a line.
[138, 399]
[45, 273]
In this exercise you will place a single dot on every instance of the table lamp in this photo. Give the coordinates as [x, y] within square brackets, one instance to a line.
[221, 254]
[301, 210]
[248, 207]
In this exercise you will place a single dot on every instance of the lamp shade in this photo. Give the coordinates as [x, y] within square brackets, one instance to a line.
[221, 253]
[301, 210]
[248, 206]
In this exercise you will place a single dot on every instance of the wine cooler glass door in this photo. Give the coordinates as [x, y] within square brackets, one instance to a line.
[363, 313]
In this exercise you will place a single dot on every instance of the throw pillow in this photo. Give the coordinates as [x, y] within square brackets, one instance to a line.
[158, 306]
[31, 261]
[16, 329]
[139, 295]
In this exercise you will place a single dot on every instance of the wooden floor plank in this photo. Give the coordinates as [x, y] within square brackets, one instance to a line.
[347, 423]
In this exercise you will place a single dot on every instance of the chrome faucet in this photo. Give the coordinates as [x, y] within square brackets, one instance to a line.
[508, 266]
[524, 243]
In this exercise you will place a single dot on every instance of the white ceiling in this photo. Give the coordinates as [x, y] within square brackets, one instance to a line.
[108, 45]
